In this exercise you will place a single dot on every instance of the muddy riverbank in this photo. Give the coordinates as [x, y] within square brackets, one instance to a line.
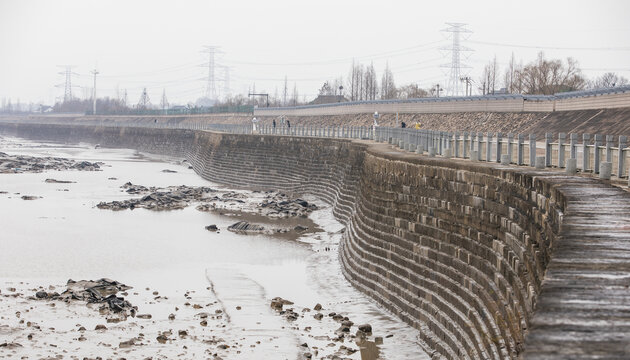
[198, 293]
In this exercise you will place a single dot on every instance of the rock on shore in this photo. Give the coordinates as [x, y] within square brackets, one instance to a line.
[17, 164]
[102, 291]
[170, 198]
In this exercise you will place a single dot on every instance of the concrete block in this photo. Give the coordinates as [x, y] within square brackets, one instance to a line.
[540, 162]
[419, 149]
[605, 170]
[447, 153]
[571, 166]
[505, 159]
[474, 155]
[401, 144]
[431, 151]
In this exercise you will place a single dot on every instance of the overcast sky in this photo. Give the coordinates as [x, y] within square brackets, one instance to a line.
[158, 44]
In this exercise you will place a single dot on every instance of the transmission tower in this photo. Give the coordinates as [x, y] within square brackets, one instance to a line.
[67, 94]
[211, 89]
[144, 100]
[455, 32]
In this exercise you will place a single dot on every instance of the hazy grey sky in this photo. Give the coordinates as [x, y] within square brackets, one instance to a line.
[157, 44]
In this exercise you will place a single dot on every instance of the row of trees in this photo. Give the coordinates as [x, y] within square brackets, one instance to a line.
[542, 77]
[363, 84]
[7, 106]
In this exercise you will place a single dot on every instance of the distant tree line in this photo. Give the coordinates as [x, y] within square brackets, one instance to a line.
[105, 105]
[7, 106]
[542, 77]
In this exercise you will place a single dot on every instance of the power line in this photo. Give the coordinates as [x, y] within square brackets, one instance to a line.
[375, 56]
[621, 48]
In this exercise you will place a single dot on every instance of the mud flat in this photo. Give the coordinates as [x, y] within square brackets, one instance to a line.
[194, 293]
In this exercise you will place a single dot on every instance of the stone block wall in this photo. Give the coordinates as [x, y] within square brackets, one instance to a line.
[462, 251]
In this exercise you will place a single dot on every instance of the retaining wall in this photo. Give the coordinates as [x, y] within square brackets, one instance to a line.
[484, 260]
[580, 100]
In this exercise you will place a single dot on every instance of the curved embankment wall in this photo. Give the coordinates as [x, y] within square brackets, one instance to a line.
[478, 257]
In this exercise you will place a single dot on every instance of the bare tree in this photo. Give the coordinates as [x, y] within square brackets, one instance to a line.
[411, 91]
[548, 77]
[388, 88]
[370, 84]
[608, 80]
[509, 79]
[489, 77]
[295, 98]
[285, 92]
[326, 89]
[359, 86]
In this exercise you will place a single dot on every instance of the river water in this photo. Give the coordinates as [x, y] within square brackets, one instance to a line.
[175, 266]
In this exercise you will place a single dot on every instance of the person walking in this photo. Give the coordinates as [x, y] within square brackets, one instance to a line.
[274, 125]
[403, 125]
[288, 124]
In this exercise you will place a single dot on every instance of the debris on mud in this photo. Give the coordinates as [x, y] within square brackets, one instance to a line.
[17, 164]
[339, 341]
[30, 197]
[137, 189]
[55, 181]
[101, 291]
[281, 205]
[244, 226]
[273, 204]
[169, 198]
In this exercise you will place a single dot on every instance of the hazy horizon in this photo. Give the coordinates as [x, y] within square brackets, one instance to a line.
[158, 45]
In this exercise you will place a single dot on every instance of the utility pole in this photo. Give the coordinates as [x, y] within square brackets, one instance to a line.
[164, 102]
[284, 92]
[94, 72]
[437, 89]
[467, 80]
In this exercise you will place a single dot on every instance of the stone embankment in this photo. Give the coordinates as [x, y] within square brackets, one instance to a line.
[600, 121]
[487, 261]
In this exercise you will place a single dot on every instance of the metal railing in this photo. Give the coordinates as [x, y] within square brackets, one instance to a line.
[594, 154]
[590, 155]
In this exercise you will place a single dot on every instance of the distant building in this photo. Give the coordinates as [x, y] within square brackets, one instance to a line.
[45, 109]
[328, 99]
